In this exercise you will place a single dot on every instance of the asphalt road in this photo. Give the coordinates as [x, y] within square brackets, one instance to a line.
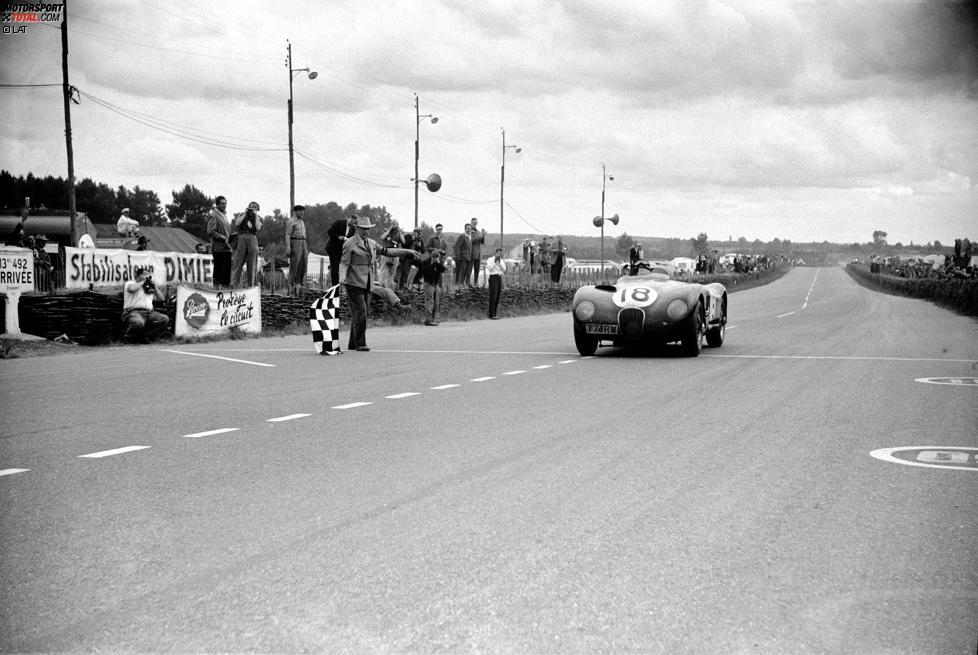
[479, 487]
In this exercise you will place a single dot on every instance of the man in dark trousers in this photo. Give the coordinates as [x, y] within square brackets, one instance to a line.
[495, 267]
[338, 232]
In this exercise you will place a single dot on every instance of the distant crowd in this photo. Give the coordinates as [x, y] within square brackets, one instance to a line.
[940, 267]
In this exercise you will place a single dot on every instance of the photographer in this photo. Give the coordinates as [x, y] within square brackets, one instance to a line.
[142, 323]
[432, 268]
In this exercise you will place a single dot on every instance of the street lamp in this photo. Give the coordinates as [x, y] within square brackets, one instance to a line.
[417, 151]
[502, 180]
[312, 75]
[599, 220]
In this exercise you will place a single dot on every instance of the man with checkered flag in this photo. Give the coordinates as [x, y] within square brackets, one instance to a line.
[324, 322]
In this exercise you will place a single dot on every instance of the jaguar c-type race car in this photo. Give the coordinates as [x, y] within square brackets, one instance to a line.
[649, 308]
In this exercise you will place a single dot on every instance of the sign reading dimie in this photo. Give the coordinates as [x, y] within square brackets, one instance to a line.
[202, 311]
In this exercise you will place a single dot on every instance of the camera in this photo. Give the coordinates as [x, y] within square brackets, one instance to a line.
[148, 285]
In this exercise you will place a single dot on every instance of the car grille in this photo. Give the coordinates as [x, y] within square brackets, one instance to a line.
[630, 322]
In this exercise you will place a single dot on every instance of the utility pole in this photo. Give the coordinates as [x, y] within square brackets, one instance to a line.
[68, 90]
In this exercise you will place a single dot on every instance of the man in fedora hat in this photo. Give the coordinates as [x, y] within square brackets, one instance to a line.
[356, 271]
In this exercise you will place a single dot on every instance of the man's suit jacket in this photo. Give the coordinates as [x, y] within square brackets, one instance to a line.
[463, 248]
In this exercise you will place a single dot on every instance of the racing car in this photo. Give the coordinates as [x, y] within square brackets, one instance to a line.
[649, 308]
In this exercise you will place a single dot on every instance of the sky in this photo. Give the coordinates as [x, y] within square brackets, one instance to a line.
[809, 121]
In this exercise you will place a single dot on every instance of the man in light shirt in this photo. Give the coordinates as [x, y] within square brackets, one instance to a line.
[495, 267]
[125, 226]
[142, 323]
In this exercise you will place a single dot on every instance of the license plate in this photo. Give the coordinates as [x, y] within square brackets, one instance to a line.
[601, 328]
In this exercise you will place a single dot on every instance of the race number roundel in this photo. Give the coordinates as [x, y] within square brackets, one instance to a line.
[635, 297]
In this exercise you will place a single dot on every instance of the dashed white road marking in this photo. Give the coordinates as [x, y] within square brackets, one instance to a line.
[542, 366]
[13, 471]
[114, 451]
[351, 405]
[808, 295]
[290, 417]
[783, 315]
[227, 359]
[197, 435]
[488, 377]
[406, 394]
[513, 372]
[445, 386]
[572, 361]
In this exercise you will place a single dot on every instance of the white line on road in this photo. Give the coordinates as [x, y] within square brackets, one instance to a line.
[445, 386]
[837, 357]
[351, 405]
[287, 418]
[513, 372]
[571, 361]
[197, 435]
[783, 315]
[807, 295]
[227, 359]
[542, 366]
[13, 471]
[406, 394]
[115, 451]
[490, 377]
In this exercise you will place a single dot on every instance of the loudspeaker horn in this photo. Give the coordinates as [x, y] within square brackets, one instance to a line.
[598, 221]
[614, 219]
[433, 182]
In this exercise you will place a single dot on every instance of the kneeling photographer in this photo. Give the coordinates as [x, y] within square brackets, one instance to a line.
[142, 323]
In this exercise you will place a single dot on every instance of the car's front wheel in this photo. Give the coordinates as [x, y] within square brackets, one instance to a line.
[692, 341]
[715, 335]
[586, 344]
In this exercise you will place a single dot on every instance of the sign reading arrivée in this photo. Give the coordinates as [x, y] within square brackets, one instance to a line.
[205, 311]
[16, 270]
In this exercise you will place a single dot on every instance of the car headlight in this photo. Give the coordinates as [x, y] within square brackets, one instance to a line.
[677, 309]
[584, 311]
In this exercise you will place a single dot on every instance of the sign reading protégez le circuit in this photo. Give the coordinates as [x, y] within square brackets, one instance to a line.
[205, 311]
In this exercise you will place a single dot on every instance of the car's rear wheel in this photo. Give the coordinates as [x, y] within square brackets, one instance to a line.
[692, 341]
[586, 344]
[715, 335]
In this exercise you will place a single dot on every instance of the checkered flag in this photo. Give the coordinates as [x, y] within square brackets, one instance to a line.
[324, 322]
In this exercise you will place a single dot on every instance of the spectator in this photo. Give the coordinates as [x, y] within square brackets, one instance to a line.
[16, 238]
[246, 249]
[392, 238]
[125, 226]
[432, 269]
[635, 254]
[463, 256]
[495, 267]
[559, 259]
[142, 323]
[338, 232]
[356, 269]
[478, 238]
[219, 232]
[42, 265]
[545, 260]
[413, 242]
[437, 242]
[142, 243]
[295, 228]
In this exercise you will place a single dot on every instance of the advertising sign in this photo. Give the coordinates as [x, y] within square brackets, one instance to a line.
[16, 270]
[203, 311]
[102, 267]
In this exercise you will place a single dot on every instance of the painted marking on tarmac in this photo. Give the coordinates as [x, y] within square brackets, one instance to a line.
[352, 405]
[114, 451]
[13, 471]
[209, 433]
[407, 394]
[936, 457]
[808, 295]
[542, 366]
[513, 372]
[445, 386]
[572, 361]
[290, 417]
[840, 358]
[783, 315]
[488, 377]
[227, 359]
[961, 382]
